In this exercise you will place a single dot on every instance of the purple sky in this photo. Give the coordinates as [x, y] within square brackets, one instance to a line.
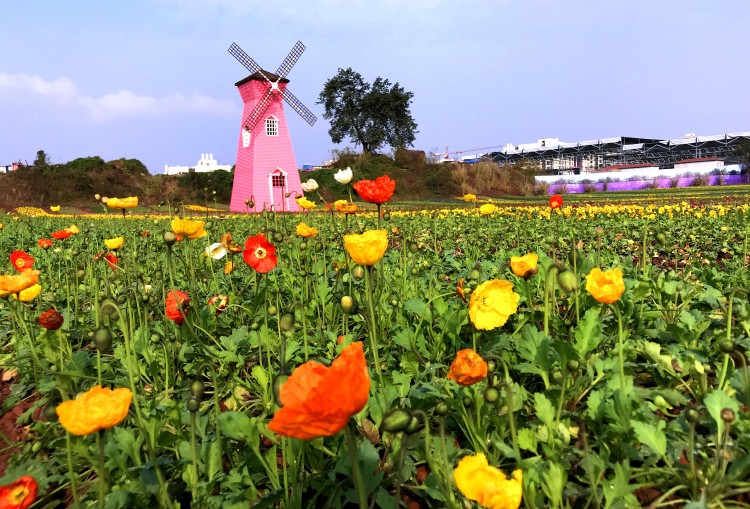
[152, 80]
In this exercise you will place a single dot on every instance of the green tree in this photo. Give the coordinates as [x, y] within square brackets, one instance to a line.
[42, 160]
[371, 115]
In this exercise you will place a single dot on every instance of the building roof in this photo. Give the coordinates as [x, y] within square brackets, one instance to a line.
[260, 77]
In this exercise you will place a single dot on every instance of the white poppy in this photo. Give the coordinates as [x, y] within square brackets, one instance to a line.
[309, 186]
[343, 176]
[216, 251]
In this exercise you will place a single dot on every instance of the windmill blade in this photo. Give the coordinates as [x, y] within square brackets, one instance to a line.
[243, 58]
[290, 60]
[299, 107]
[252, 119]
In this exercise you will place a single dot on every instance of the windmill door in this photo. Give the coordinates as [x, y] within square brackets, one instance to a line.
[278, 184]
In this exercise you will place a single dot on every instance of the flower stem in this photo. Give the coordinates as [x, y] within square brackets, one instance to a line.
[351, 443]
[102, 471]
[373, 328]
[621, 353]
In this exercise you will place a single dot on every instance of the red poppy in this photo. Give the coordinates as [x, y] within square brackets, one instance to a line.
[61, 234]
[555, 201]
[19, 494]
[319, 400]
[177, 304]
[44, 243]
[50, 319]
[260, 254]
[376, 191]
[111, 260]
[145, 233]
[219, 302]
[21, 261]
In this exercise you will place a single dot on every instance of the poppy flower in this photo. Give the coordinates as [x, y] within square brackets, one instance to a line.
[345, 207]
[305, 231]
[19, 494]
[260, 254]
[555, 201]
[44, 243]
[305, 203]
[18, 283]
[217, 251]
[487, 209]
[467, 368]
[460, 289]
[343, 176]
[177, 304]
[492, 303]
[189, 228]
[229, 244]
[60, 234]
[50, 319]
[72, 229]
[309, 186]
[469, 197]
[111, 260]
[54, 208]
[228, 267]
[219, 302]
[319, 400]
[606, 287]
[96, 409]
[130, 202]
[524, 266]
[114, 244]
[366, 248]
[29, 293]
[145, 233]
[21, 261]
[487, 485]
[376, 191]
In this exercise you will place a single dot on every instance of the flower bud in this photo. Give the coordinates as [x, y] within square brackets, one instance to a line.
[395, 421]
[727, 415]
[567, 281]
[348, 304]
[441, 409]
[197, 388]
[103, 340]
[286, 323]
[358, 272]
[170, 238]
[692, 415]
[726, 346]
[193, 405]
[491, 395]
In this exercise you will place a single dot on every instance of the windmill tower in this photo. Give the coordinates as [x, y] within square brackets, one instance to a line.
[266, 169]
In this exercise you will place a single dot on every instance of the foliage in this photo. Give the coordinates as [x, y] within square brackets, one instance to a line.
[371, 115]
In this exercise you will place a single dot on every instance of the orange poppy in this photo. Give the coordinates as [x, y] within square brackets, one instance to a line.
[229, 244]
[460, 289]
[219, 303]
[19, 494]
[61, 234]
[467, 368]
[18, 283]
[376, 191]
[96, 409]
[319, 400]
[345, 207]
[21, 261]
[44, 243]
[177, 304]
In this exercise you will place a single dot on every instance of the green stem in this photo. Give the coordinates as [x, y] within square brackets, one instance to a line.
[359, 487]
[71, 473]
[373, 327]
[102, 471]
[620, 345]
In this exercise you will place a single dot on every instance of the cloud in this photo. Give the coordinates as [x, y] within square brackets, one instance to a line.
[113, 106]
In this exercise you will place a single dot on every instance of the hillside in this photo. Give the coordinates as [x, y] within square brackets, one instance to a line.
[74, 184]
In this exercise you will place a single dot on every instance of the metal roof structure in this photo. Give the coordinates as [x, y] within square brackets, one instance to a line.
[627, 150]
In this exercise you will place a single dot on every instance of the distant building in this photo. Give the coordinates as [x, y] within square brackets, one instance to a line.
[205, 164]
[9, 167]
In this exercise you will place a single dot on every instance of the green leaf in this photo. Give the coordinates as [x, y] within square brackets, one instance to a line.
[651, 436]
[419, 308]
[240, 427]
[716, 402]
[588, 334]
[260, 375]
[527, 439]
[545, 412]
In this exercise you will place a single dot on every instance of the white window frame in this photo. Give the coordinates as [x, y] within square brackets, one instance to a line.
[272, 126]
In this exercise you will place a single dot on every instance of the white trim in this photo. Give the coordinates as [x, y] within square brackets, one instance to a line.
[277, 171]
[276, 125]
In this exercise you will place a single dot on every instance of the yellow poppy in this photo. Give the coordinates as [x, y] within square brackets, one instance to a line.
[306, 231]
[55, 208]
[345, 207]
[487, 209]
[492, 303]
[469, 197]
[366, 248]
[228, 267]
[19, 282]
[189, 228]
[305, 203]
[114, 244]
[487, 485]
[606, 287]
[524, 266]
[72, 229]
[98, 408]
[29, 293]
[130, 202]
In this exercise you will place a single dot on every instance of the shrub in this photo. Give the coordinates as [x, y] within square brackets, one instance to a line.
[541, 188]
[674, 182]
[700, 180]
[589, 188]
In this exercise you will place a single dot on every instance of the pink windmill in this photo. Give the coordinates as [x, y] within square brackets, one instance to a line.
[266, 169]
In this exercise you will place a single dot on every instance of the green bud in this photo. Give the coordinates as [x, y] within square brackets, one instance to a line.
[197, 388]
[193, 405]
[278, 383]
[413, 247]
[491, 395]
[395, 421]
[441, 409]
[413, 426]
[170, 238]
[726, 346]
[348, 304]
[567, 281]
[572, 365]
[692, 415]
[358, 272]
[103, 340]
[286, 323]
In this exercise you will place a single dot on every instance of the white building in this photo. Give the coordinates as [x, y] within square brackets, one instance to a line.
[206, 163]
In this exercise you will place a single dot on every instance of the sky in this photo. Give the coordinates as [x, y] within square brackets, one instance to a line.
[152, 79]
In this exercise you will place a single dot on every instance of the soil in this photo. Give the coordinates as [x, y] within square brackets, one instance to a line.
[10, 431]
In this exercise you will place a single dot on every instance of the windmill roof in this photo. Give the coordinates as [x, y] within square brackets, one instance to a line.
[258, 76]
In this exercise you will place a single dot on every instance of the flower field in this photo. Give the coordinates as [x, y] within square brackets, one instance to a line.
[556, 354]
